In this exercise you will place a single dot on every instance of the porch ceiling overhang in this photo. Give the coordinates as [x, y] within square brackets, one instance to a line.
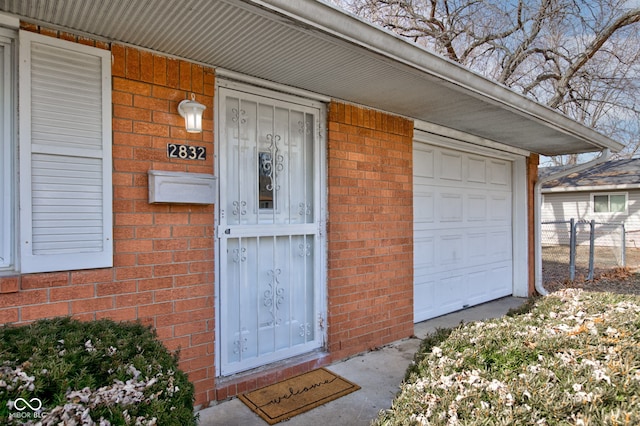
[313, 46]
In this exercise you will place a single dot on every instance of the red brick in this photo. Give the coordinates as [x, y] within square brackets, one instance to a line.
[173, 73]
[50, 310]
[21, 298]
[91, 305]
[159, 70]
[131, 113]
[133, 246]
[151, 129]
[9, 284]
[72, 292]
[156, 231]
[176, 344]
[124, 314]
[155, 258]
[134, 299]
[185, 76]
[131, 87]
[168, 93]
[122, 125]
[124, 259]
[92, 276]
[169, 245]
[155, 309]
[169, 270]
[122, 98]
[134, 272]
[197, 78]
[194, 303]
[33, 281]
[127, 219]
[150, 103]
[146, 66]
[9, 315]
[155, 283]
[131, 140]
[118, 287]
[132, 66]
[169, 119]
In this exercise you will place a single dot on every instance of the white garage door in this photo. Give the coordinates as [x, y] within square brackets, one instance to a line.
[462, 230]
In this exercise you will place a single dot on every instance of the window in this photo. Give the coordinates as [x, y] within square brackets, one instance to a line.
[64, 164]
[609, 203]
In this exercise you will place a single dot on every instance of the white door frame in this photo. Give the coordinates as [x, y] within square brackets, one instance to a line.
[320, 185]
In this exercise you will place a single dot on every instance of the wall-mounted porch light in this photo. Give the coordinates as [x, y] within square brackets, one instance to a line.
[192, 113]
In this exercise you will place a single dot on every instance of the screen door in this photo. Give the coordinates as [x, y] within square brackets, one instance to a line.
[269, 230]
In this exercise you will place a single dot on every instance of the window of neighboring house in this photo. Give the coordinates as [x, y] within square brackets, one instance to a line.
[7, 135]
[609, 203]
[64, 160]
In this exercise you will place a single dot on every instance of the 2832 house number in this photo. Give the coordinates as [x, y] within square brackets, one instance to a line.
[186, 152]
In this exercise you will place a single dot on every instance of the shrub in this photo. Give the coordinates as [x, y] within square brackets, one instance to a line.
[98, 372]
[573, 358]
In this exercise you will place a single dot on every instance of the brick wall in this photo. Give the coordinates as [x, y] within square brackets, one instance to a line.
[163, 272]
[370, 229]
[163, 254]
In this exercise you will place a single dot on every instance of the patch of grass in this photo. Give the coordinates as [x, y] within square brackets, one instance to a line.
[572, 357]
[106, 371]
[434, 339]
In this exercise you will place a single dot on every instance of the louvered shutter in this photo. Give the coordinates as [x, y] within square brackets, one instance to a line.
[65, 155]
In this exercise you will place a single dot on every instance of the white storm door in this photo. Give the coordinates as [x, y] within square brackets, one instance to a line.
[269, 230]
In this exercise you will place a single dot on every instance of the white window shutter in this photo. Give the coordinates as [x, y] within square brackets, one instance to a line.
[65, 155]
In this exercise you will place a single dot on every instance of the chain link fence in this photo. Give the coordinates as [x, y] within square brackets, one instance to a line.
[581, 249]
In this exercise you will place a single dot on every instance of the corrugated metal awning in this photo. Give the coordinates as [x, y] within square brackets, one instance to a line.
[313, 46]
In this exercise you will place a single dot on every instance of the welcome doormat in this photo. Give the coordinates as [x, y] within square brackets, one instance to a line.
[293, 396]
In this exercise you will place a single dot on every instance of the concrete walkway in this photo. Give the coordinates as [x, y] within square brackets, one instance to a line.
[379, 373]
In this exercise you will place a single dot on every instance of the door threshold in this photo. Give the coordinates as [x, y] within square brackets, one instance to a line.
[230, 386]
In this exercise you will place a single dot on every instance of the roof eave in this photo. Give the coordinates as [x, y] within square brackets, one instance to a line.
[327, 18]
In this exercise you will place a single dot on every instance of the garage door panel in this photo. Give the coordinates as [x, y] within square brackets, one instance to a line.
[477, 247]
[424, 207]
[454, 287]
[477, 211]
[500, 207]
[462, 231]
[451, 166]
[450, 251]
[450, 207]
[477, 170]
[500, 173]
[499, 246]
[425, 296]
[424, 253]
[475, 289]
[423, 158]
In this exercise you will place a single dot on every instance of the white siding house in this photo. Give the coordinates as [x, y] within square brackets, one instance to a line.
[608, 193]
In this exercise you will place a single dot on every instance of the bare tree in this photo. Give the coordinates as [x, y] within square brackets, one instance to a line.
[580, 57]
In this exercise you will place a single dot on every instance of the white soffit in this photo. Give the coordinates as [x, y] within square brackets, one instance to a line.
[313, 46]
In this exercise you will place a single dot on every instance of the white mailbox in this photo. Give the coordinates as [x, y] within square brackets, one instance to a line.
[181, 187]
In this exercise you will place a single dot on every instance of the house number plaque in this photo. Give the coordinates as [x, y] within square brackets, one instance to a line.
[186, 152]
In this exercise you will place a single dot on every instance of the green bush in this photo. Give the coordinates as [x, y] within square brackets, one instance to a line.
[114, 373]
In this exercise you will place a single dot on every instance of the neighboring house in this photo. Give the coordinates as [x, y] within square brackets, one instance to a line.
[608, 193]
[346, 183]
